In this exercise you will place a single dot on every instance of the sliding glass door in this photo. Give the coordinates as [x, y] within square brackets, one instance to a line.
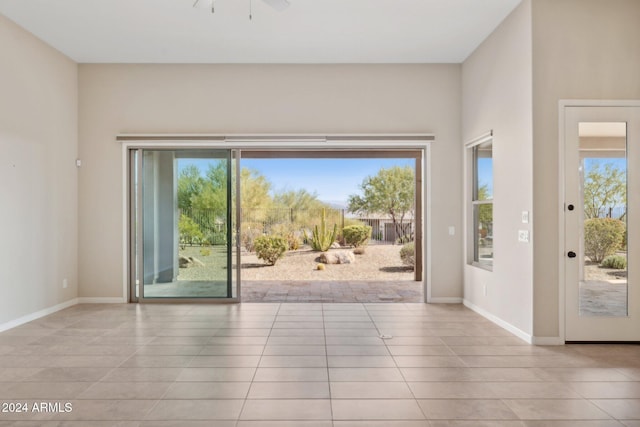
[182, 224]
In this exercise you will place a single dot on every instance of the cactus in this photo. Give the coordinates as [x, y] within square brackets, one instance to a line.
[322, 238]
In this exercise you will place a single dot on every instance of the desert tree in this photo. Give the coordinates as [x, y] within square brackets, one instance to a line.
[605, 187]
[391, 191]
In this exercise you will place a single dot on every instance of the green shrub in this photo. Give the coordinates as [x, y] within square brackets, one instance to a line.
[617, 262]
[291, 234]
[270, 248]
[189, 231]
[602, 237]
[250, 231]
[213, 238]
[205, 251]
[404, 239]
[408, 254]
[356, 235]
[346, 222]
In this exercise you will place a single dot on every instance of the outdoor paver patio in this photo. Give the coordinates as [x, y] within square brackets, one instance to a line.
[603, 298]
[332, 291]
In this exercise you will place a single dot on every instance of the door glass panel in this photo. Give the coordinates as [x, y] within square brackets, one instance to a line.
[235, 223]
[134, 192]
[603, 243]
[186, 231]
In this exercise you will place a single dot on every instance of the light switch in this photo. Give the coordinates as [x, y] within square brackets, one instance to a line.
[523, 236]
[525, 217]
[452, 230]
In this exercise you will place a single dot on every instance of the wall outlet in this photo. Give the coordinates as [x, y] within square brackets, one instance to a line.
[523, 236]
[65, 283]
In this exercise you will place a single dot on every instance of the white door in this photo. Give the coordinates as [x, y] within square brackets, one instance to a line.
[602, 223]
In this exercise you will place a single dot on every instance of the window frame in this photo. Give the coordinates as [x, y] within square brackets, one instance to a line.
[474, 202]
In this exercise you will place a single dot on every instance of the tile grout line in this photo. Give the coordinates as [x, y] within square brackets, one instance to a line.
[326, 358]
[244, 402]
[172, 382]
[396, 363]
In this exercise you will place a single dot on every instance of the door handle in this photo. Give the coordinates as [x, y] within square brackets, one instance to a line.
[571, 254]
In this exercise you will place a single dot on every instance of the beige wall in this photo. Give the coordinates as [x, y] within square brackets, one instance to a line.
[174, 99]
[582, 49]
[38, 176]
[496, 87]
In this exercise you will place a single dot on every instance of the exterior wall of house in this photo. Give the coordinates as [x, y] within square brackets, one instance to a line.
[496, 87]
[582, 49]
[38, 175]
[225, 99]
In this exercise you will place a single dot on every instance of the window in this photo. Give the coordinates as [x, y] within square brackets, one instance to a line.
[482, 204]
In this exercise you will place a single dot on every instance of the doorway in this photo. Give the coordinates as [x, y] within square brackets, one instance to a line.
[161, 262]
[601, 188]
[308, 187]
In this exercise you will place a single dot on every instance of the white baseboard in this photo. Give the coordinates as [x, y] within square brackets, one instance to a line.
[446, 300]
[548, 341]
[498, 321]
[47, 311]
[101, 300]
[38, 314]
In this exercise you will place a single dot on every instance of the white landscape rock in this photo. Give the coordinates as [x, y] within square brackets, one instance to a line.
[338, 257]
[186, 262]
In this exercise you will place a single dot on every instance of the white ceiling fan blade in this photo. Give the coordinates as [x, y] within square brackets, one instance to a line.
[278, 5]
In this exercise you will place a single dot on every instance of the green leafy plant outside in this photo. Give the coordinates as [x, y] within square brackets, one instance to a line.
[189, 231]
[291, 233]
[270, 248]
[602, 237]
[404, 239]
[408, 254]
[356, 235]
[617, 262]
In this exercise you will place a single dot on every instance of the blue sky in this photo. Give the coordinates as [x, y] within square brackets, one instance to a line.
[485, 175]
[332, 179]
[620, 163]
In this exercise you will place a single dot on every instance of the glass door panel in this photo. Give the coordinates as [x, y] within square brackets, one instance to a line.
[602, 158]
[235, 224]
[184, 238]
[603, 287]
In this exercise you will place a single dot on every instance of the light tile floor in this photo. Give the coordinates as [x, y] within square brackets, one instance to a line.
[304, 365]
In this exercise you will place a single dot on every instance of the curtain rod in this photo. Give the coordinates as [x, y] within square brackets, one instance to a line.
[284, 138]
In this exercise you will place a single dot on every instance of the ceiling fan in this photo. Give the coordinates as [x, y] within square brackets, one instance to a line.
[278, 5]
